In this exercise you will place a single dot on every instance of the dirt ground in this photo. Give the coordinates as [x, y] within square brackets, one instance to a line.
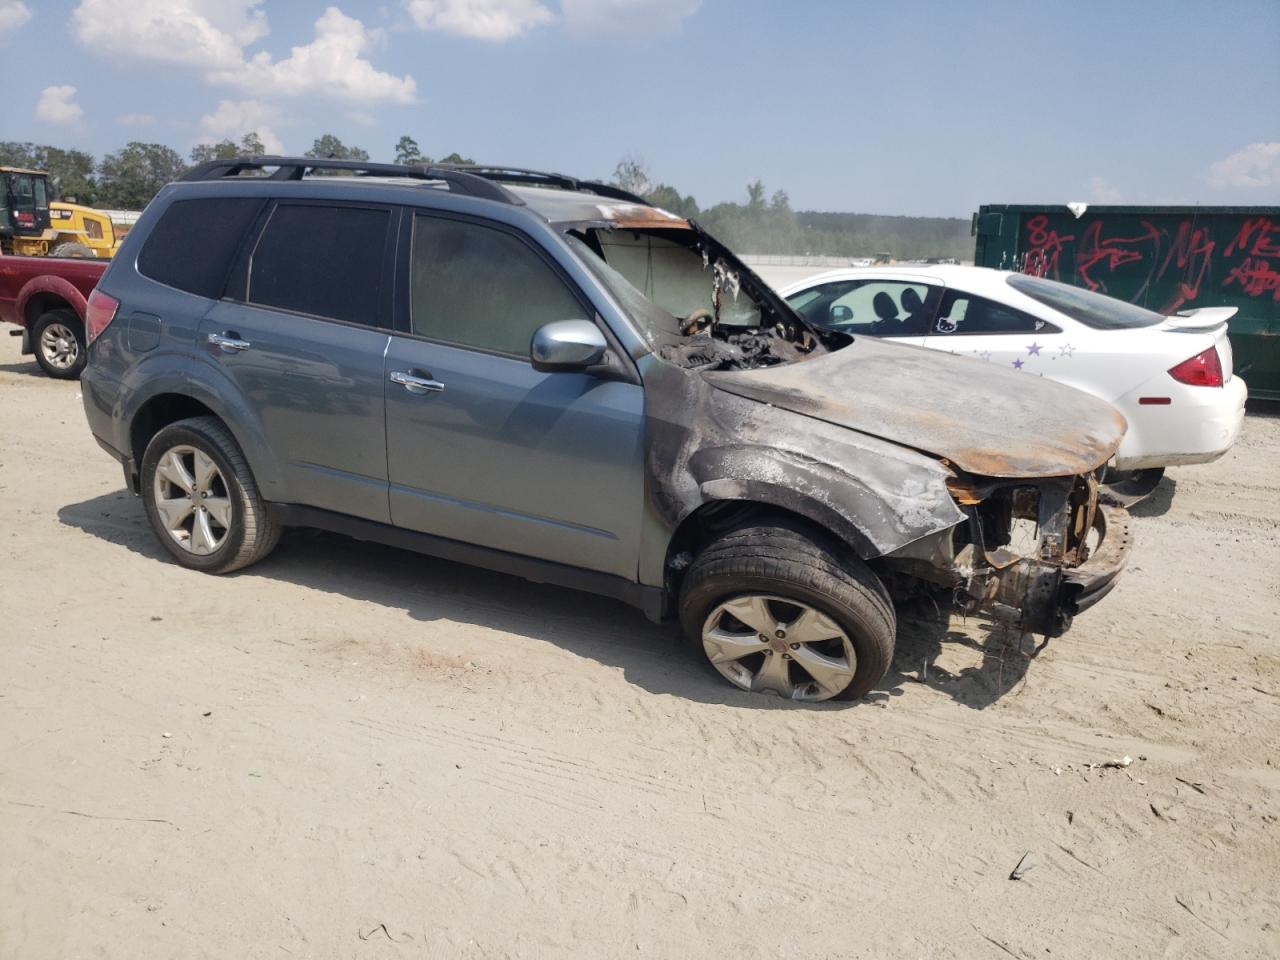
[350, 751]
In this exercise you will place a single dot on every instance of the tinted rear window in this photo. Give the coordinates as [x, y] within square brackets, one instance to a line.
[1092, 309]
[323, 261]
[193, 244]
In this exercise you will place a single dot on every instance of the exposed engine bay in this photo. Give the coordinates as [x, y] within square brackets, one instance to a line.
[715, 313]
[1015, 558]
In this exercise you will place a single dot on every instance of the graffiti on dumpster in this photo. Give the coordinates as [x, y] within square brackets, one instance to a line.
[1162, 253]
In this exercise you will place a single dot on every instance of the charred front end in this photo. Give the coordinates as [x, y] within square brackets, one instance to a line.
[1030, 553]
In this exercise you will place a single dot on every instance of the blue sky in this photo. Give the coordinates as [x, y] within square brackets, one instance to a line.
[898, 107]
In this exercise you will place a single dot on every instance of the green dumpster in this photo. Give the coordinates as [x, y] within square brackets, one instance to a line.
[1165, 258]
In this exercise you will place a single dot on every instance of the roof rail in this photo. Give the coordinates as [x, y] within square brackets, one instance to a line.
[458, 179]
[539, 178]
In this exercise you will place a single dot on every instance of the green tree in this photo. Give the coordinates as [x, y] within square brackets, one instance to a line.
[129, 178]
[458, 159]
[70, 170]
[668, 198]
[407, 151]
[16, 154]
[329, 147]
[250, 145]
[632, 175]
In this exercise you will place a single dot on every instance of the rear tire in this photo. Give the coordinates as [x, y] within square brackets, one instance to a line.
[202, 500]
[57, 337]
[746, 590]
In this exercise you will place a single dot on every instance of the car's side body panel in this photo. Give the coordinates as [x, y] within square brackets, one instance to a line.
[543, 464]
[316, 387]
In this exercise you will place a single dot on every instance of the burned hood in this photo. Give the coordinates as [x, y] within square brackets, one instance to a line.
[984, 419]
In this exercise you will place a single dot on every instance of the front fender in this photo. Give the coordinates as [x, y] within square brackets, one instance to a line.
[703, 444]
[173, 373]
[867, 493]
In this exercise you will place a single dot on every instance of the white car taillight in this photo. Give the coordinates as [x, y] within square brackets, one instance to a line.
[1202, 370]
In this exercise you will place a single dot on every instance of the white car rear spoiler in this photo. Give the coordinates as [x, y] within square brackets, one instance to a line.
[1203, 318]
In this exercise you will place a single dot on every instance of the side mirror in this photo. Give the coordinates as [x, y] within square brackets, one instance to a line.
[839, 313]
[567, 345]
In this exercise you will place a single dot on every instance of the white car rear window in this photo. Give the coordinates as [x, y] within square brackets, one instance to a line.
[1092, 309]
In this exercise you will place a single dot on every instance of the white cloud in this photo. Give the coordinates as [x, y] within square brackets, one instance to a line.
[627, 18]
[13, 14]
[234, 118]
[1257, 165]
[136, 120]
[202, 33]
[1100, 191]
[330, 65]
[57, 105]
[212, 35]
[481, 19]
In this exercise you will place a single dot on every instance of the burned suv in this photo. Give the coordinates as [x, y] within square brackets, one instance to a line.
[555, 379]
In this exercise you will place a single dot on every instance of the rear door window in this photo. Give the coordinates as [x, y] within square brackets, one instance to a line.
[193, 244]
[324, 261]
[964, 314]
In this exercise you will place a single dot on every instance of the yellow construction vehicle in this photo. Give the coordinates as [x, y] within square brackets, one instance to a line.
[33, 224]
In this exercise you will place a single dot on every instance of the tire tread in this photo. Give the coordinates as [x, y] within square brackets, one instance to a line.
[792, 554]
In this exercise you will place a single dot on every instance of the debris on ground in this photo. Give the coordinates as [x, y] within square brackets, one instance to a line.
[1025, 866]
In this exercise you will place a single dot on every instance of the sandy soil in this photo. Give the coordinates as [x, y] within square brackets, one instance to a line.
[350, 751]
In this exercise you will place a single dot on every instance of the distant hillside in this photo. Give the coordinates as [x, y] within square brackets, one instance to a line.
[866, 234]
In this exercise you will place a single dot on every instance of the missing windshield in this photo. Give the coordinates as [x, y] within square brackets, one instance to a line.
[699, 305]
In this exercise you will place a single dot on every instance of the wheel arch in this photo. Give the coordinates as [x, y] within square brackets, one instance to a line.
[730, 504]
[45, 293]
[175, 395]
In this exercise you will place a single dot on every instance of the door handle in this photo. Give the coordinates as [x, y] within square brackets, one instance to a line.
[416, 384]
[228, 343]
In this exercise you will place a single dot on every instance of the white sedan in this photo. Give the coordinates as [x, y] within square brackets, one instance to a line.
[1170, 376]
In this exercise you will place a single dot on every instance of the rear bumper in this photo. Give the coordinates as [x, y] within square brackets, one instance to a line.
[1199, 426]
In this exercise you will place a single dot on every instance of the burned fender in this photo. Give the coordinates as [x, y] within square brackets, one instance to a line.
[704, 444]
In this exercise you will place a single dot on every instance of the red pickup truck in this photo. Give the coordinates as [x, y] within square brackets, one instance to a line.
[45, 296]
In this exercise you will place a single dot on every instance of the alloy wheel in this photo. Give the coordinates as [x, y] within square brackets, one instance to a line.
[762, 642]
[59, 345]
[193, 499]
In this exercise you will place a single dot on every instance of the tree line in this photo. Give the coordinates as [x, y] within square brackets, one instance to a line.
[128, 178]
[766, 224]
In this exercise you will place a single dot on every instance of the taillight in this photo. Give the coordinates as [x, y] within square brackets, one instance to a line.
[1202, 370]
[99, 312]
[25, 219]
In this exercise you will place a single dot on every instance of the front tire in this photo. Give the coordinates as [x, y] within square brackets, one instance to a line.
[57, 338]
[781, 608]
[202, 500]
